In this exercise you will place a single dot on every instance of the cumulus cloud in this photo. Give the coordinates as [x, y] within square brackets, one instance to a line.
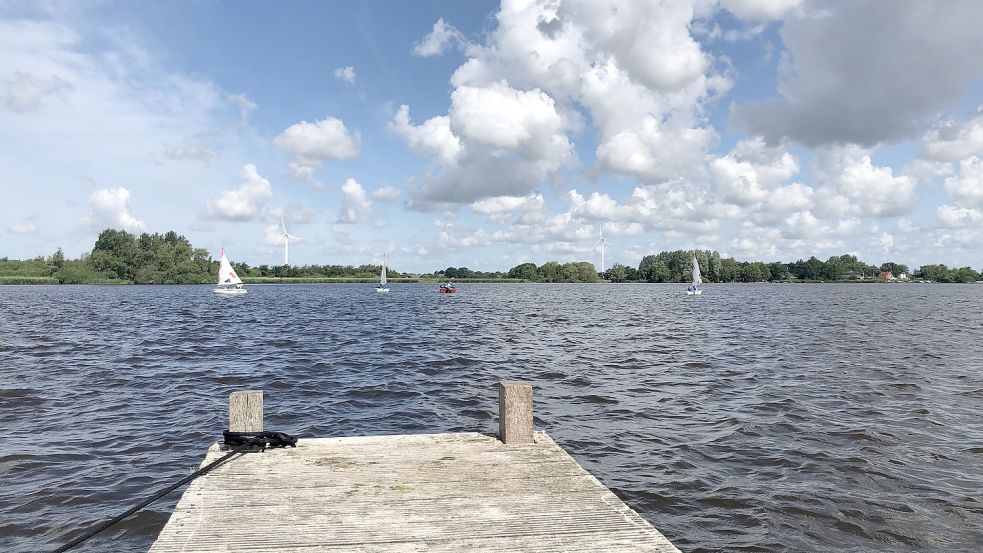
[438, 40]
[760, 10]
[866, 72]
[952, 216]
[25, 92]
[386, 194]
[510, 141]
[851, 184]
[506, 204]
[951, 140]
[966, 188]
[109, 207]
[345, 74]
[432, 138]
[246, 203]
[500, 117]
[314, 143]
[355, 205]
[520, 93]
[27, 227]
[751, 172]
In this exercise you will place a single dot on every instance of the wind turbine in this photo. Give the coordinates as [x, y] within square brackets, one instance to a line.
[601, 242]
[286, 242]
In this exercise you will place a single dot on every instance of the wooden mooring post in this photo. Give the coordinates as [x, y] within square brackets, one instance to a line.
[442, 493]
[246, 411]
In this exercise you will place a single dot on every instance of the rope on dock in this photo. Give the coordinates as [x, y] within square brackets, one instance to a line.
[243, 442]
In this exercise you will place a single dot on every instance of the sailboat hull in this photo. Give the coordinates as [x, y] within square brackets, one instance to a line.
[229, 291]
[692, 293]
[382, 290]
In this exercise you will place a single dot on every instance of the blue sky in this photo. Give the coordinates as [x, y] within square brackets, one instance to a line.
[765, 130]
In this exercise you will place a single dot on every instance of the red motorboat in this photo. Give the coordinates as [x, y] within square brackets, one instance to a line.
[448, 288]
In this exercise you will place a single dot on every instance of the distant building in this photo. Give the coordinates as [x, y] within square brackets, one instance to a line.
[903, 276]
[886, 275]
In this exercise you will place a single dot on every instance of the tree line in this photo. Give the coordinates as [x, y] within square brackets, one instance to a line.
[169, 258]
[676, 266]
[121, 257]
[551, 271]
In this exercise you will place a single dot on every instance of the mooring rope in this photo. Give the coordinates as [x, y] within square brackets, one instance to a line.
[244, 442]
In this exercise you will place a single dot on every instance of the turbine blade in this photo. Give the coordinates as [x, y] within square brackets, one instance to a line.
[283, 226]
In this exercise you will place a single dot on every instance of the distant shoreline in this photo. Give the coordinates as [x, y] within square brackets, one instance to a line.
[274, 281]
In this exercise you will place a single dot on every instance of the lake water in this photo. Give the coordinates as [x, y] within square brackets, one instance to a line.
[753, 418]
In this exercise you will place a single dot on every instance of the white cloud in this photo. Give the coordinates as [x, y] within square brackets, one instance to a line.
[506, 204]
[760, 10]
[386, 194]
[653, 153]
[432, 138]
[437, 41]
[648, 109]
[952, 216]
[314, 143]
[246, 203]
[355, 205]
[852, 184]
[25, 92]
[886, 241]
[511, 141]
[966, 188]
[27, 227]
[345, 74]
[194, 148]
[524, 123]
[109, 207]
[751, 172]
[192, 152]
[246, 109]
[950, 140]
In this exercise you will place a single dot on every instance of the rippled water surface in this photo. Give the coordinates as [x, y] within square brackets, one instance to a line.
[753, 418]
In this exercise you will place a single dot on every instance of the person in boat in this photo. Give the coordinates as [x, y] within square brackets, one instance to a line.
[690, 289]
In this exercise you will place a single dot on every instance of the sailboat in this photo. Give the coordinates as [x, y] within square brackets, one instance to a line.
[382, 277]
[229, 283]
[694, 288]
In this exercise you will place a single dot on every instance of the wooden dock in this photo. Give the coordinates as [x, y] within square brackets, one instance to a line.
[430, 492]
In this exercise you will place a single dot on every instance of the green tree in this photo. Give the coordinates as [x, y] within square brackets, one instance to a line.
[728, 270]
[617, 273]
[525, 271]
[895, 268]
[964, 275]
[550, 272]
[778, 271]
[57, 259]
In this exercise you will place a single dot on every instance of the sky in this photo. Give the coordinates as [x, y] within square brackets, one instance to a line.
[486, 134]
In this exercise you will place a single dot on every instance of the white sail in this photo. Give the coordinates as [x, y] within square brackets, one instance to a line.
[382, 275]
[226, 274]
[696, 272]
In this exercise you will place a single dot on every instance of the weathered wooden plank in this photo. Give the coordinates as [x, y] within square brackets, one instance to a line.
[386, 494]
